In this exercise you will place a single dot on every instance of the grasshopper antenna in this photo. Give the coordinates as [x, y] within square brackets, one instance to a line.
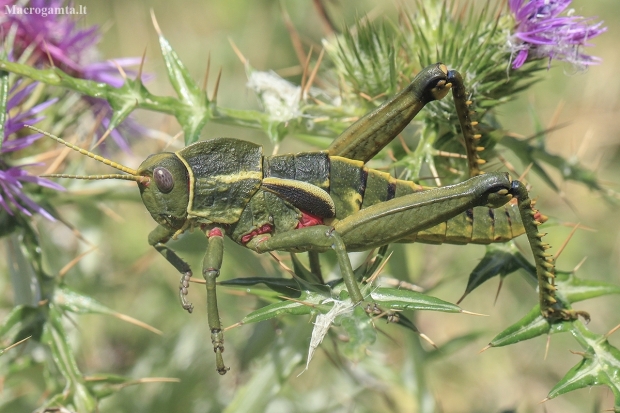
[133, 174]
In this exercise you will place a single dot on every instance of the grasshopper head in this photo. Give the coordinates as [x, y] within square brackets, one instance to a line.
[162, 179]
[164, 189]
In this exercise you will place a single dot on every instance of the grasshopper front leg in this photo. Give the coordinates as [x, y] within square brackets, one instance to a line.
[158, 238]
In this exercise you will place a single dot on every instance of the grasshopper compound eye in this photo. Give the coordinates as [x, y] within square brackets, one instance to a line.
[163, 179]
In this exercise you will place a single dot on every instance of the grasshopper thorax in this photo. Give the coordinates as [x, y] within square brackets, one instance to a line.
[165, 191]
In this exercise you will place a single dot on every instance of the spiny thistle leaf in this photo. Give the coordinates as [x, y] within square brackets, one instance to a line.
[396, 299]
[499, 259]
[104, 385]
[131, 96]
[78, 303]
[282, 286]
[180, 79]
[76, 393]
[305, 304]
[189, 93]
[573, 289]
[600, 365]
[530, 326]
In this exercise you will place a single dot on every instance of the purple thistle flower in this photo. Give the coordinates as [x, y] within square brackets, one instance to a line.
[73, 50]
[12, 191]
[541, 32]
[12, 178]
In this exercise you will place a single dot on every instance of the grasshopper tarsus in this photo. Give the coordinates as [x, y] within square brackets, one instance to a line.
[565, 314]
[183, 290]
[217, 339]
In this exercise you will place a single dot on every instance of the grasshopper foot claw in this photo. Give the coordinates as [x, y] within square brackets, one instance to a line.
[575, 314]
[564, 314]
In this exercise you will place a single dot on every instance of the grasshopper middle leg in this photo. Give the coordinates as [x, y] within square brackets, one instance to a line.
[211, 265]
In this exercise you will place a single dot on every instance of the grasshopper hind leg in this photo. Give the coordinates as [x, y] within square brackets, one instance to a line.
[470, 136]
[550, 307]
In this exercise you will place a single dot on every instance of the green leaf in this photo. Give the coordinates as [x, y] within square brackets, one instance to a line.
[600, 366]
[307, 304]
[530, 326]
[190, 114]
[307, 280]
[76, 392]
[283, 286]
[499, 259]
[396, 299]
[77, 303]
[573, 289]
[181, 80]
[189, 93]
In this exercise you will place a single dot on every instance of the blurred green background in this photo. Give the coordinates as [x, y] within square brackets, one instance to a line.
[126, 274]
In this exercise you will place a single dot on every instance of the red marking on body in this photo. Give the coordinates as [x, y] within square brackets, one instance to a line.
[265, 229]
[308, 220]
[215, 232]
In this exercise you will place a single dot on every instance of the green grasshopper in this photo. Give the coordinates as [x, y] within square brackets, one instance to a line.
[316, 201]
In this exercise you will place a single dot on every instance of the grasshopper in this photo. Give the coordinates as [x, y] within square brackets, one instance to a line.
[316, 201]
